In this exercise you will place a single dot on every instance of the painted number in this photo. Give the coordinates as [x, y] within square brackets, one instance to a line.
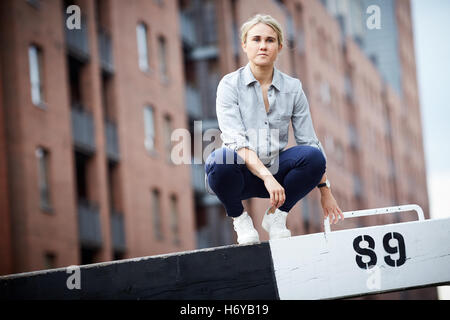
[400, 249]
[365, 252]
[366, 257]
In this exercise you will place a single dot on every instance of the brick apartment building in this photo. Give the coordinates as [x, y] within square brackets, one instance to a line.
[86, 117]
[87, 120]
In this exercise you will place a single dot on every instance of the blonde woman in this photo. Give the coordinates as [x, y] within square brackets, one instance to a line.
[254, 107]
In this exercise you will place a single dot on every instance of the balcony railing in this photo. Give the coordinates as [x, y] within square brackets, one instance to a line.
[77, 40]
[112, 141]
[105, 51]
[89, 229]
[83, 129]
[118, 232]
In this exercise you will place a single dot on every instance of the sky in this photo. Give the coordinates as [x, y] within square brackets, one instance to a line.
[431, 25]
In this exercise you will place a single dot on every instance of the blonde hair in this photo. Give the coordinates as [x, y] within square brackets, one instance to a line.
[266, 19]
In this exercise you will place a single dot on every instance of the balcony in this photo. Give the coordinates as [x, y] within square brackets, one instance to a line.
[112, 141]
[187, 30]
[83, 129]
[198, 177]
[77, 41]
[89, 229]
[105, 51]
[193, 102]
[201, 44]
[118, 232]
[204, 53]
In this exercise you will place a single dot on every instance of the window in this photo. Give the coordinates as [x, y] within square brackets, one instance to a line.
[88, 255]
[174, 219]
[149, 128]
[141, 31]
[156, 215]
[35, 60]
[162, 53]
[167, 134]
[44, 189]
[49, 260]
[34, 3]
[82, 165]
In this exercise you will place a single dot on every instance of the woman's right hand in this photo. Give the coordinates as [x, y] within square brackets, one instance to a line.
[276, 191]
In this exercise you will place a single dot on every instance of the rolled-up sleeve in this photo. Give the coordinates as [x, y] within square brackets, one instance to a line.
[302, 123]
[229, 117]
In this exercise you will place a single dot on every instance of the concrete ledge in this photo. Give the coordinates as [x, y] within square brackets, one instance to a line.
[230, 272]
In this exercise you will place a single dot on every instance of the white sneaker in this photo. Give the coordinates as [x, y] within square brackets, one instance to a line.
[275, 224]
[243, 225]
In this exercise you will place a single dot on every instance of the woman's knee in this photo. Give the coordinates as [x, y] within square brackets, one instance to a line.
[222, 160]
[316, 160]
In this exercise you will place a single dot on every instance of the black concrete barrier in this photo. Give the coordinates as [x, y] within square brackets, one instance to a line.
[230, 272]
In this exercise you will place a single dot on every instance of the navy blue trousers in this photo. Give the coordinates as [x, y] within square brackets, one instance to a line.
[300, 170]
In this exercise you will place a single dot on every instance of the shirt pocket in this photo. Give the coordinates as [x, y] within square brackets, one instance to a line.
[281, 123]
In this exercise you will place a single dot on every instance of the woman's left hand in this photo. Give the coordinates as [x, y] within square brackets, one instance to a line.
[331, 208]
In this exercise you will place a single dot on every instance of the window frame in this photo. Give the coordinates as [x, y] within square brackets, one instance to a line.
[149, 128]
[35, 67]
[142, 37]
[43, 175]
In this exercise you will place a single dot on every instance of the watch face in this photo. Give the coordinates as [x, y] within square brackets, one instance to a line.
[328, 184]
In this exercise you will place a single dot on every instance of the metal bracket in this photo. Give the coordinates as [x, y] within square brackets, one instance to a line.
[369, 212]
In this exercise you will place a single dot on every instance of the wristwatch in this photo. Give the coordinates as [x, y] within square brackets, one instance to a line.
[325, 184]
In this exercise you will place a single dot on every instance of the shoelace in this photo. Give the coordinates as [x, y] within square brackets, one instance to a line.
[279, 221]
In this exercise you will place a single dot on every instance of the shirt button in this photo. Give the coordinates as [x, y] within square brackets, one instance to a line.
[265, 122]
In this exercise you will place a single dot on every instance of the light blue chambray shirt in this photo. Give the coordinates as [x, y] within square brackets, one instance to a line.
[243, 119]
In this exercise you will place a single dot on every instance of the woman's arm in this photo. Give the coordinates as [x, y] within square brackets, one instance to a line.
[254, 164]
[304, 133]
[229, 117]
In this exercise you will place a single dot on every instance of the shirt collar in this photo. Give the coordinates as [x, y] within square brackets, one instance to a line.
[250, 78]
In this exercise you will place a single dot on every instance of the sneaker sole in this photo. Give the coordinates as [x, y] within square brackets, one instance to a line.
[249, 241]
[283, 235]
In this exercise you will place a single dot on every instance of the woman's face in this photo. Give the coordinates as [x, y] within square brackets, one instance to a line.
[262, 45]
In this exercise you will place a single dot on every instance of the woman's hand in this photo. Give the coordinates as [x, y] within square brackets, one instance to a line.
[331, 208]
[276, 191]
